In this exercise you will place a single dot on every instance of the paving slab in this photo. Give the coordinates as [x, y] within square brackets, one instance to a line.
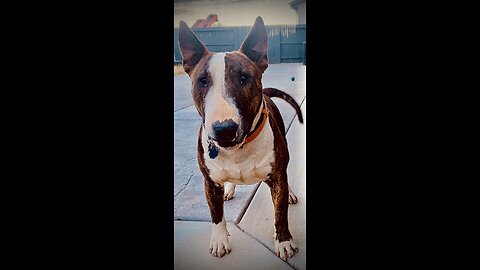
[258, 220]
[191, 241]
[182, 92]
[279, 76]
[286, 110]
[191, 204]
[190, 113]
[184, 162]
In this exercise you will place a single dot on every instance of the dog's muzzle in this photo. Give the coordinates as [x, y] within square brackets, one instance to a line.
[226, 133]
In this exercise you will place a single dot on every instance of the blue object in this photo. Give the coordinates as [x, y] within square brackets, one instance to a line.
[212, 150]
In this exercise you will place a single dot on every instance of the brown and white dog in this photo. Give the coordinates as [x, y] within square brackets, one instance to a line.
[242, 137]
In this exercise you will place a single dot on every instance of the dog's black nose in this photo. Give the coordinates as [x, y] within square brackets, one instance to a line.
[225, 131]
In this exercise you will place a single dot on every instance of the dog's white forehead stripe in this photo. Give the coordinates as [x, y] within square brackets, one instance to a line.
[218, 106]
[216, 68]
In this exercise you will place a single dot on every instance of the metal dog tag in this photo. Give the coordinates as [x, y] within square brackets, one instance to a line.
[212, 150]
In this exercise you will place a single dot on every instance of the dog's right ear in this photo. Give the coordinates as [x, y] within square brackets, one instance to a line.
[191, 48]
[255, 45]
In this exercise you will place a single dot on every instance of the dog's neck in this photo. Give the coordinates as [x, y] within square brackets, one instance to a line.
[260, 119]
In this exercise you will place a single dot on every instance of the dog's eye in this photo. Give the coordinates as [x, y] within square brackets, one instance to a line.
[203, 81]
[244, 78]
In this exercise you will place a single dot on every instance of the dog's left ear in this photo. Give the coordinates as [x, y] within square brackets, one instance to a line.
[191, 48]
[255, 45]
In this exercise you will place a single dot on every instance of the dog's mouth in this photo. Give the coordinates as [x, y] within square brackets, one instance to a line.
[228, 145]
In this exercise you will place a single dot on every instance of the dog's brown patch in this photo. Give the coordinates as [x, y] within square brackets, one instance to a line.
[243, 83]
[199, 90]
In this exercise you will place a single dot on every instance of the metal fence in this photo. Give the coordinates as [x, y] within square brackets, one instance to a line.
[286, 43]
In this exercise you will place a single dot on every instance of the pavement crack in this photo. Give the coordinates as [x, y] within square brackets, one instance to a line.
[184, 186]
[182, 108]
[247, 204]
[261, 243]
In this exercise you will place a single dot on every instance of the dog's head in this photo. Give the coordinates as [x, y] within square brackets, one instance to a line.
[226, 87]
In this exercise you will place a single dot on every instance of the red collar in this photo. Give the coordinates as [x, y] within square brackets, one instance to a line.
[263, 119]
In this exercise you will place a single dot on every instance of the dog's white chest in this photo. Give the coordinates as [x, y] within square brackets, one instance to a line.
[245, 166]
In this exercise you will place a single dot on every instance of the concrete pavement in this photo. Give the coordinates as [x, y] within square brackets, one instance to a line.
[250, 213]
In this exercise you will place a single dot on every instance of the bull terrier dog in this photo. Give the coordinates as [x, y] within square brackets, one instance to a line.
[242, 138]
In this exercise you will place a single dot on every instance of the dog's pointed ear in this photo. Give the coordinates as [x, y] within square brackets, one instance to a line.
[191, 48]
[255, 45]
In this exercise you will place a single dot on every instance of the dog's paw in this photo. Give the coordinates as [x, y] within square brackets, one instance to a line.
[292, 198]
[285, 249]
[229, 191]
[219, 245]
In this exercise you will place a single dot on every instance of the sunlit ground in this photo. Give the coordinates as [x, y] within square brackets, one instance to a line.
[178, 70]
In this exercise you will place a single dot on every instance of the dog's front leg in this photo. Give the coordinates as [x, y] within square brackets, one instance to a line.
[284, 246]
[219, 245]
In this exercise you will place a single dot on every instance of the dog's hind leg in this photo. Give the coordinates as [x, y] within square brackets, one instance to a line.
[229, 191]
[292, 198]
